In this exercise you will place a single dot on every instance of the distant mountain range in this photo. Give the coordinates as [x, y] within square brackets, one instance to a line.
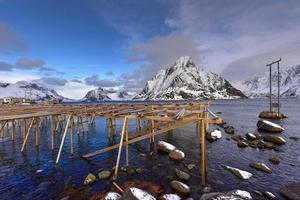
[23, 89]
[184, 80]
[258, 86]
[101, 94]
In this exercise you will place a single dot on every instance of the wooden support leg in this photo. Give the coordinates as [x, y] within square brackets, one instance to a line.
[27, 134]
[52, 131]
[25, 127]
[36, 131]
[13, 130]
[72, 136]
[63, 139]
[127, 150]
[152, 132]
[120, 148]
[2, 129]
[203, 153]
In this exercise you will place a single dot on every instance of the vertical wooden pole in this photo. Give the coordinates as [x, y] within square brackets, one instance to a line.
[13, 130]
[52, 131]
[36, 131]
[127, 151]
[203, 153]
[72, 135]
[2, 129]
[120, 148]
[25, 127]
[270, 82]
[78, 125]
[27, 134]
[63, 139]
[278, 84]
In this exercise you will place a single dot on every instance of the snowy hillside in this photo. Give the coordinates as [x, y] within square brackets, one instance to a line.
[258, 87]
[23, 89]
[101, 94]
[184, 80]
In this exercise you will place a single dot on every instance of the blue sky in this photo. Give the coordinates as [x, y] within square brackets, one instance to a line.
[73, 46]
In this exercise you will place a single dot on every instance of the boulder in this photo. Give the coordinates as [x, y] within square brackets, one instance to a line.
[104, 174]
[112, 196]
[251, 136]
[261, 167]
[275, 139]
[269, 195]
[239, 173]
[232, 195]
[176, 154]
[242, 144]
[253, 143]
[137, 194]
[269, 126]
[190, 166]
[229, 129]
[180, 187]
[274, 160]
[165, 147]
[182, 175]
[214, 135]
[291, 192]
[170, 197]
[237, 138]
[91, 178]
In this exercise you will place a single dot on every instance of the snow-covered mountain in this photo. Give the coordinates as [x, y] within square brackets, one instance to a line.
[184, 80]
[101, 94]
[23, 89]
[258, 87]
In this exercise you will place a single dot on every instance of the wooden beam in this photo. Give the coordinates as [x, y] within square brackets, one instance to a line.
[27, 134]
[120, 149]
[63, 139]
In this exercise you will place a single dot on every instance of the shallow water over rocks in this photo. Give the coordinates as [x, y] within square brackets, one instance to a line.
[34, 175]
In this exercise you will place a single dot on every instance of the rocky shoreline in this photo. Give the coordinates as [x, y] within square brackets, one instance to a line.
[179, 179]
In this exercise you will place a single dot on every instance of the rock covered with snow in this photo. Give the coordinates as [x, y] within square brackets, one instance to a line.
[28, 90]
[184, 80]
[266, 125]
[112, 196]
[170, 197]
[214, 135]
[239, 173]
[232, 195]
[137, 194]
[165, 147]
[258, 86]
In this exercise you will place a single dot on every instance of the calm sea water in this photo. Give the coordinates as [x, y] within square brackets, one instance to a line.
[34, 175]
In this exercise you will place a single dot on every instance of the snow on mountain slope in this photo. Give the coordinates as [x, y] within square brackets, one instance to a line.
[184, 80]
[101, 94]
[29, 90]
[258, 87]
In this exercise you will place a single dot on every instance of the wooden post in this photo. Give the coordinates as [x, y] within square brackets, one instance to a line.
[36, 131]
[2, 129]
[25, 127]
[13, 130]
[120, 148]
[278, 84]
[203, 153]
[52, 131]
[72, 136]
[63, 139]
[27, 134]
[127, 151]
[270, 82]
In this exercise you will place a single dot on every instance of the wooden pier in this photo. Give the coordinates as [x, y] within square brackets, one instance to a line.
[150, 119]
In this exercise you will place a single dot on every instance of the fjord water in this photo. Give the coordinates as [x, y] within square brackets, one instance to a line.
[34, 175]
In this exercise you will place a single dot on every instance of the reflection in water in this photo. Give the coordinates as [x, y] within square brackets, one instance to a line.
[20, 178]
